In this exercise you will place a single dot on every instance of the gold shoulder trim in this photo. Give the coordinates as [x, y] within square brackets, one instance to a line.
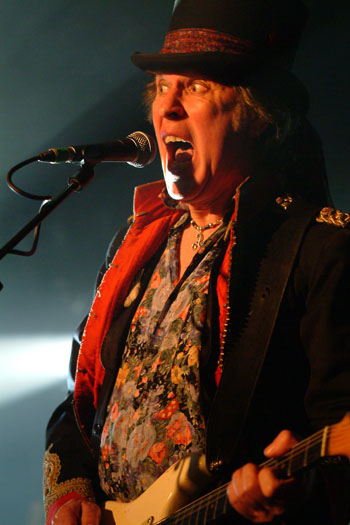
[335, 217]
[53, 490]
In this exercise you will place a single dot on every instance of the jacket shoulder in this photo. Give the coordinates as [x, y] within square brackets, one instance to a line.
[328, 235]
[334, 217]
[325, 249]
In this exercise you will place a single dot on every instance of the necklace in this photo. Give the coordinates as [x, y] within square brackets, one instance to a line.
[200, 229]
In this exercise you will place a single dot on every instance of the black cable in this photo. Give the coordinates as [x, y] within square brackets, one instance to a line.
[18, 190]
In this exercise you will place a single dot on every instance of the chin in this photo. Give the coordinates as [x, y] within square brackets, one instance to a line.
[181, 191]
[181, 183]
[179, 187]
[175, 195]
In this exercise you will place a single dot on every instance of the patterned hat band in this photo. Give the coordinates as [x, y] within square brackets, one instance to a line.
[205, 41]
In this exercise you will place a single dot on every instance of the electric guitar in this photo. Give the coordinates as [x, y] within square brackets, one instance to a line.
[167, 500]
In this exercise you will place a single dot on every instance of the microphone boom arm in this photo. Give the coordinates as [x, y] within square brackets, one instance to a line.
[138, 149]
[77, 182]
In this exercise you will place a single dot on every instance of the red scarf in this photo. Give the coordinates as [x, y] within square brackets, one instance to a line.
[152, 221]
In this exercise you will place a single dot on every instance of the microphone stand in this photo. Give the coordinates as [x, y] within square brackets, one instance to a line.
[77, 182]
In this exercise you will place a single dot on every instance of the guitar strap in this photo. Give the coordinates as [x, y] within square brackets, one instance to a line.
[245, 358]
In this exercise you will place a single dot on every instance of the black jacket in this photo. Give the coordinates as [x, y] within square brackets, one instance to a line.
[304, 380]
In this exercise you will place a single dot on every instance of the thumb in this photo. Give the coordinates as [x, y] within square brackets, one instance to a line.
[284, 441]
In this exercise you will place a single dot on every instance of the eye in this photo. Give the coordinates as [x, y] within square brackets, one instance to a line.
[198, 87]
[162, 87]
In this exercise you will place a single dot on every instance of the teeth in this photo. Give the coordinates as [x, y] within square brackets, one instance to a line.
[172, 138]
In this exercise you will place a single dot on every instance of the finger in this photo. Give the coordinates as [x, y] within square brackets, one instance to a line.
[274, 488]
[68, 513]
[90, 513]
[284, 441]
[269, 483]
[250, 489]
[244, 482]
[244, 493]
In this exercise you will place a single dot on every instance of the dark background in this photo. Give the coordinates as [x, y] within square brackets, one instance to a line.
[66, 78]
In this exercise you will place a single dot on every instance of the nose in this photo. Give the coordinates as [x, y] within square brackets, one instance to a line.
[170, 105]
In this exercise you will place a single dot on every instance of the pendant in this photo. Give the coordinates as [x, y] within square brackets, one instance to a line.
[199, 242]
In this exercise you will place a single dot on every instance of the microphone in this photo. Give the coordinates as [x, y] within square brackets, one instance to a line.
[138, 149]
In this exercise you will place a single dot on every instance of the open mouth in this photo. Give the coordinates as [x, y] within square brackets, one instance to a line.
[178, 149]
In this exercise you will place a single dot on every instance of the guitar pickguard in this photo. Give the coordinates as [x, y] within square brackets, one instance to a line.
[179, 485]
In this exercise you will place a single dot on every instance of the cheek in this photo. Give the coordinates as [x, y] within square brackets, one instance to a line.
[219, 134]
[155, 118]
[230, 109]
[156, 127]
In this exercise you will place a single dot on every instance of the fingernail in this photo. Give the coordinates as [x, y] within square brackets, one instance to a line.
[269, 450]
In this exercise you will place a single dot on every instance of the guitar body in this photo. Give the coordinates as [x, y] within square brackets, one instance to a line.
[184, 481]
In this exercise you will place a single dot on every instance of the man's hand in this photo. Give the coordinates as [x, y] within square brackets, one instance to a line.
[258, 494]
[77, 512]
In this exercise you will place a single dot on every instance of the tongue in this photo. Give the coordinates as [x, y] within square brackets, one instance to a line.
[183, 155]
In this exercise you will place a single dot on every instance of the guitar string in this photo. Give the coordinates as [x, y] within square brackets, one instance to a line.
[217, 493]
[315, 439]
[307, 443]
[189, 510]
[214, 494]
[221, 491]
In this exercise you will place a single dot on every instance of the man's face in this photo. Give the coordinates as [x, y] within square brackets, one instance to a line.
[198, 127]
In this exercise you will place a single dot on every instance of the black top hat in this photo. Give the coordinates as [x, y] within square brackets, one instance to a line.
[222, 36]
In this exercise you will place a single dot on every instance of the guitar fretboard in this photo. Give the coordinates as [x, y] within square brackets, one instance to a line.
[215, 504]
[301, 455]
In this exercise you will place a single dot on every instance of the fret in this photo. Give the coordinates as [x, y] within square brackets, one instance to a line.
[170, 520]
[208, 513]
[205, 517]
[297, 460]
[183, 517]
[281, 465]
[226, 506]
[200, 516]
[201, 511]
[289, 469]
[306, 451]
[315, 451]
[222, 504]
[214, 507]
[324, 441]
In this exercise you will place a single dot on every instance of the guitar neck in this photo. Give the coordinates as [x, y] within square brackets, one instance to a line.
[176, 485]
[302, 455]
[215, 504]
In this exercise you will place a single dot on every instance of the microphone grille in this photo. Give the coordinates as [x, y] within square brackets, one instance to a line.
[146, 147]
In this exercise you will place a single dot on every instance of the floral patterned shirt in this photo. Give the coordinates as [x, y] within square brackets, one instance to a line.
[154, 415]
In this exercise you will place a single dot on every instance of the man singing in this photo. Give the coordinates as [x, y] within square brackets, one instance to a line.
[219, 325]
